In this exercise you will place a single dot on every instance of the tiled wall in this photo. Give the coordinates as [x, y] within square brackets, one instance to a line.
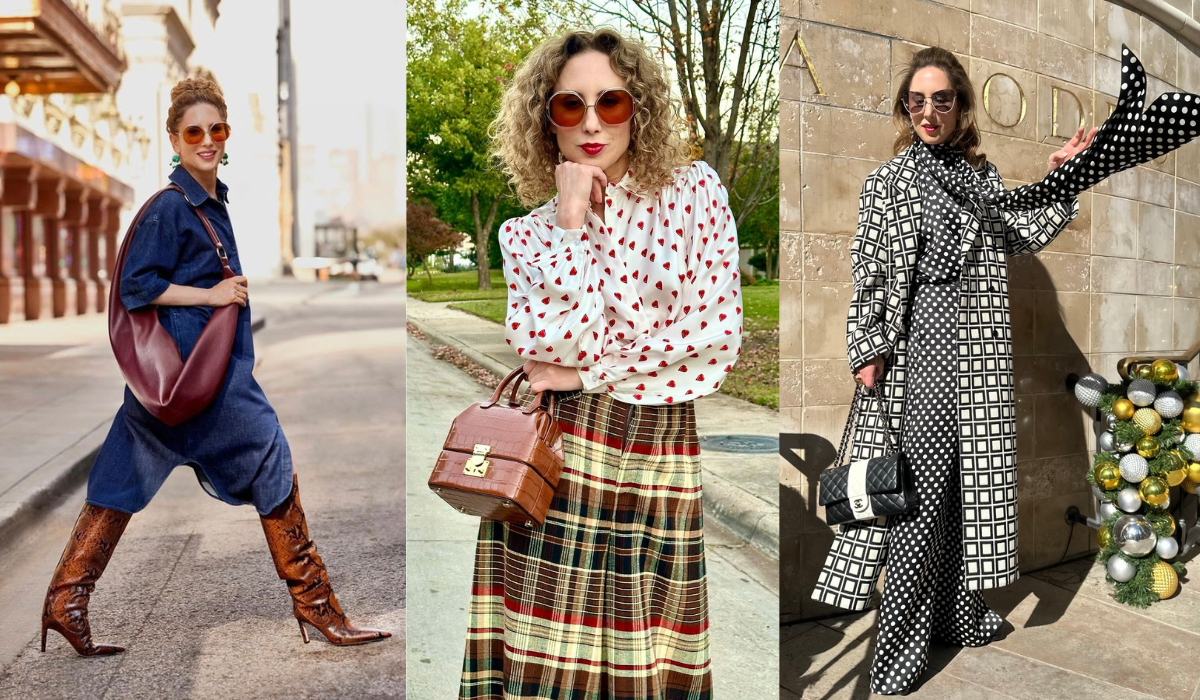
[1124, 278]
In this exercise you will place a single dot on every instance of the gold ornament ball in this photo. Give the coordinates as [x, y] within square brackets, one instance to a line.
[1193, 472]
[1163, 580]
[1103, 537]
[1124, 409]
[1191, 413]
[1164, 371]
[1188, 485]
[1148, 420]
[1144, 372]
[1177, 460]
[1147, 447]
[1177, 477]
[1154, 490]
[1171, 522]
[1107, 476]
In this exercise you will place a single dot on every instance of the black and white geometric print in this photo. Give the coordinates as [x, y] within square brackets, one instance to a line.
[1128, 137]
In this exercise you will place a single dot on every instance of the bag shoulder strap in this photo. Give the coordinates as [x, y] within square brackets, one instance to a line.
[208, 228]
[860, 392]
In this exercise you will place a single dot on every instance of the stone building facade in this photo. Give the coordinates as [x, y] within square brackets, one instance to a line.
[1124, 278]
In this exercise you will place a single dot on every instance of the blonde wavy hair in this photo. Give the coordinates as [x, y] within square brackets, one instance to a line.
[966, 136]
[521, 140]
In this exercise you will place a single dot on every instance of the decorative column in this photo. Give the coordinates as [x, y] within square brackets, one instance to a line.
[97, 274]
[73, 222]
[48, 208]
[112, 226]
[18, 197]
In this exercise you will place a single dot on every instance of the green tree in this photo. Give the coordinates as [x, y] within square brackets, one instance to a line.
[459, 61]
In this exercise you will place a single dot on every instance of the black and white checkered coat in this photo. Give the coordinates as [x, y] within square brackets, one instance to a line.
[883, 259]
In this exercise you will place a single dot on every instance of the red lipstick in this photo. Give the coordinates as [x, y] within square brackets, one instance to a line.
[592, 149]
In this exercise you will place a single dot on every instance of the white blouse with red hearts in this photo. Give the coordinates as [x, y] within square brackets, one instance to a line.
[645, 302]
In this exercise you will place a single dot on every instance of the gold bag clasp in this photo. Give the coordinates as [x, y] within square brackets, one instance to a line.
[477, 463]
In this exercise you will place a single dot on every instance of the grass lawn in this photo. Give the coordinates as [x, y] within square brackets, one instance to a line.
[754, 378]
[456, 286]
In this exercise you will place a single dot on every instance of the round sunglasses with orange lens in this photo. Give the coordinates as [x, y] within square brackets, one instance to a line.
[566, 108]
[193, 134]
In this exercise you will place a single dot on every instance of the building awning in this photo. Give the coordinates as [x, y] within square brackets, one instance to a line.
[19, 147]
[49, 46]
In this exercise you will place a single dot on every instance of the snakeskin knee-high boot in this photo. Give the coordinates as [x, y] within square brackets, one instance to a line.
[297, 562]
[65, 610]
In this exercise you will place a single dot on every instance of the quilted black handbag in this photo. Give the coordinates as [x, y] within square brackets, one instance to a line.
[868, 488]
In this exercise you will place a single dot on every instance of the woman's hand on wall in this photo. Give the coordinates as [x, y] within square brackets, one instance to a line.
[870, 371]
[1070, 148]
[578, 186]
[547, 376]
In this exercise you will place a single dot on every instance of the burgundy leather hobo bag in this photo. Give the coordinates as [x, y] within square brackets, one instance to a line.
[169, 388]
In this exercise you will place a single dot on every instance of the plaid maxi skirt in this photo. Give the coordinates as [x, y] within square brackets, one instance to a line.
[607, 600]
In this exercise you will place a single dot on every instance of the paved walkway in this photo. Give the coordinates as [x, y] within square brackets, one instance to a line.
[741, 490]
[1066, 638]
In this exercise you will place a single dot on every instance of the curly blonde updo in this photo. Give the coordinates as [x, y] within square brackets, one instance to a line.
[193, 91]
[521, 138]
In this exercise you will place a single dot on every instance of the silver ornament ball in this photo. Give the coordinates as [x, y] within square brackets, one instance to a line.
[1167, 547]
[1168, 404]
[1107, 443]
[1183, 373]
[1088, 389]
[1128, 499]
[1192, 443]
[1110, 421]
[1120, 569]
[1133, 535]
[1134, 468]
[1141, 392]
[1107, 510]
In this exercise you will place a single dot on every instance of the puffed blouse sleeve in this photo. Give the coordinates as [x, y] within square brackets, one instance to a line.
[152, 257]
[690, 354]
[555, 311]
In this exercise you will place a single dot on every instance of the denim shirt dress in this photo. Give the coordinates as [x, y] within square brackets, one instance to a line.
[235, 445]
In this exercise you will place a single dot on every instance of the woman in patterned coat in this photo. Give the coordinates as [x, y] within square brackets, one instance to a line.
[929, 324]
[624, 299]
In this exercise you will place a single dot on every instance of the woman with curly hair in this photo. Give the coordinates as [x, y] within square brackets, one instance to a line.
[235, 445]
[624, 299]
[929, 326]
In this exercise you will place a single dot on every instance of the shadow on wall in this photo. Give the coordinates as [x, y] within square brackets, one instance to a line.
[1052, 456]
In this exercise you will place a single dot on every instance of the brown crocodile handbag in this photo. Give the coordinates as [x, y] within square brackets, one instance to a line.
[502, 461]
[169, 388]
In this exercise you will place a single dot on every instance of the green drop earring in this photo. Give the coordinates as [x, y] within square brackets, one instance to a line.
[225, 158]
[174, 161]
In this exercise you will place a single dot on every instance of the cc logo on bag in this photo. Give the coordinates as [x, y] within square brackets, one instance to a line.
[858, 504]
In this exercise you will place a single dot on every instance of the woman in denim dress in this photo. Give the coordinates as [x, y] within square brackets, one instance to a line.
[235, 445]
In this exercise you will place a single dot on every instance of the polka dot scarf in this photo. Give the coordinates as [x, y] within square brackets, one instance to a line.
[1127, 138]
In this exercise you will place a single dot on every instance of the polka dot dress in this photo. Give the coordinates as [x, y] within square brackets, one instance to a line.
[924, 595]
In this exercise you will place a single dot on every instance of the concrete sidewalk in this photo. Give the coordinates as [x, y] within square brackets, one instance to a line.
[1064, 637]
[741, 490]
[59, 390]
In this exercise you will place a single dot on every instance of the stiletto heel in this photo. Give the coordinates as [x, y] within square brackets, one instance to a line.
[303, 632]
[43, 639]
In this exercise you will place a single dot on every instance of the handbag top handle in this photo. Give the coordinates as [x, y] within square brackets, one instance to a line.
[855, 405]
[542, 400]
